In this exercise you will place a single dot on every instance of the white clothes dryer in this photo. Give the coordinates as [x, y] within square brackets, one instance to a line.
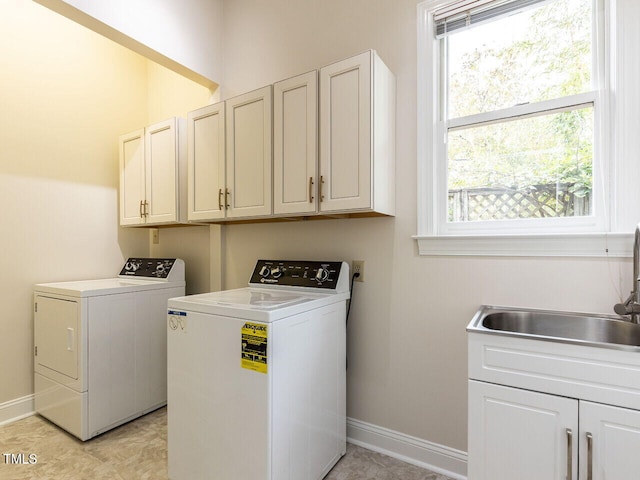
[100, 356]
[257, 376]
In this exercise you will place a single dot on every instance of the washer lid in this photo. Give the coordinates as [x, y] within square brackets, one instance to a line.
[251, 303]
[260, 299]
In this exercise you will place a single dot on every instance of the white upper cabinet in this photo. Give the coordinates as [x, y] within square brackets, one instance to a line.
[152, 170]
[312, 144]
[230, 158]
[357, 136]
[206, 163]
[295, 145]
[132, 178]
[249, 154]
[162, 164]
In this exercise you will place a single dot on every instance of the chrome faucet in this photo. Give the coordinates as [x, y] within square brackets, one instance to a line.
[631, 306]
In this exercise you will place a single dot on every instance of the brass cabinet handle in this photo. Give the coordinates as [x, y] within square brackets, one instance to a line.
[321, 195]
[219, 199]
[227, 194]
[569, 454]
[310, 189]
[143, 209]
[589, 456]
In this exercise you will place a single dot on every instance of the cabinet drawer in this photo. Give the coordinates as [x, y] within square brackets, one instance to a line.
[597, 374]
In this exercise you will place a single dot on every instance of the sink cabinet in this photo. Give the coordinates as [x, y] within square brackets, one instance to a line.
[519, 434]
[546, 410]
[615, 442]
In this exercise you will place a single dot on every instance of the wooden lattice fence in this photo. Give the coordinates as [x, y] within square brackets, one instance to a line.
[535, 201]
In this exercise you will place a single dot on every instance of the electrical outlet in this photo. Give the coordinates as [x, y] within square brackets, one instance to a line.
[155, 236]
[358, 267]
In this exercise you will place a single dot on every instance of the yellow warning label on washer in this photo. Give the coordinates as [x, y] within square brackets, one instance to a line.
[254, 347]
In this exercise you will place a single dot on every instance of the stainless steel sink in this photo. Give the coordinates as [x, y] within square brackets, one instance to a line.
[568, 327]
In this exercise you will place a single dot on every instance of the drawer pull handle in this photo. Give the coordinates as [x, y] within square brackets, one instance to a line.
[589, 456]
[569, 454]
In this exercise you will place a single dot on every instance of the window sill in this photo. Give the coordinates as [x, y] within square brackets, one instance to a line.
[618, 245]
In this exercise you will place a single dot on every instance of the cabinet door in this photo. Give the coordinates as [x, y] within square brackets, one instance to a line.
[206, 163]
[249, 154]
[611, 452]
[161, 172]
[132, 183]
[345, 134]
[295, 144]
[523, 435]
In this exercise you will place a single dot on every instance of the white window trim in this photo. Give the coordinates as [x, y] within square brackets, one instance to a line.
[607, 245]
[587, 236]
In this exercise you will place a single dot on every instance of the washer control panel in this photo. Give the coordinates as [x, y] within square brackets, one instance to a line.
[148, 267]
[291, 273]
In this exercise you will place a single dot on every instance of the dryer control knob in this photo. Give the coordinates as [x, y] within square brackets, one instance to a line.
[277, 272]
[322, 274]
[265, 271]
[131, 266]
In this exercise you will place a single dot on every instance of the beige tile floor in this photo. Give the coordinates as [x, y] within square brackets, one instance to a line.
[138, 451]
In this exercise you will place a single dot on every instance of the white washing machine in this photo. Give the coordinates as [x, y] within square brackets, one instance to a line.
[257, 376]
[100, 356]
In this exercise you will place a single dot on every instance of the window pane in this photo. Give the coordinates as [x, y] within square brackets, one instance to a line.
[528, 168]
[538, 54]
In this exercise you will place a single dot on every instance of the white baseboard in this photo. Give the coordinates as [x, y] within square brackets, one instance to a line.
[416, 451]
[16, 409]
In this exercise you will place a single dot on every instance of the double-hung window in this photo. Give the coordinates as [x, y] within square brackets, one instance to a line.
[510, 127]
